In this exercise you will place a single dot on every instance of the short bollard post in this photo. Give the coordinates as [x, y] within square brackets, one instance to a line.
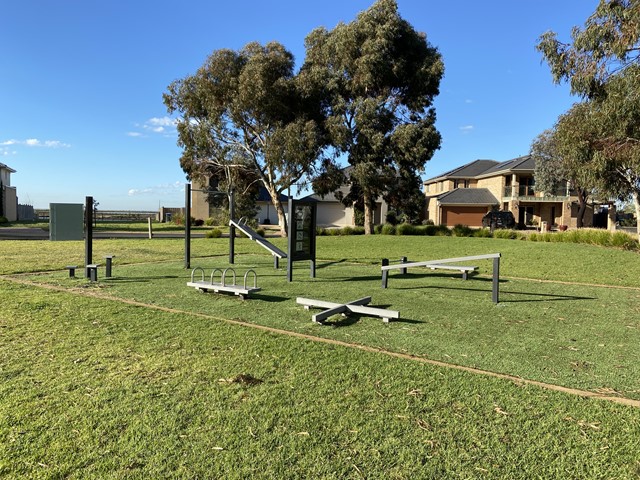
[92, 272]
[72, 270]
[385, 263]
[403, 271]
[107, 272]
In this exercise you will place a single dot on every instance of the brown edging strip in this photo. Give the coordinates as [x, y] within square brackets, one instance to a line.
[403, 356]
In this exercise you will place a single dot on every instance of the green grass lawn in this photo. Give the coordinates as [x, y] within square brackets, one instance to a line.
[93, 387]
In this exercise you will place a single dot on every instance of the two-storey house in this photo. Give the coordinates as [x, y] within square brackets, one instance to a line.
[8, 194]
[465, 194]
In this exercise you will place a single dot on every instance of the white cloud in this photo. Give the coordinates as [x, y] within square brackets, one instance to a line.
[34, 142]
[165, 126]
[158, 190]
[467, 128]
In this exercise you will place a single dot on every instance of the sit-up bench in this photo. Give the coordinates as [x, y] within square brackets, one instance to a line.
[446, 264]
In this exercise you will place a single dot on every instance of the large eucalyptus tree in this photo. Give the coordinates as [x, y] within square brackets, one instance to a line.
[602, 64]
[242, 111]
[378, 78]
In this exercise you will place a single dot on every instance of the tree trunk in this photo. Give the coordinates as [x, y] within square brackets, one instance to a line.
[277, 204]
[369, 208]
[636, 202]
[282, 219]
[582, 199]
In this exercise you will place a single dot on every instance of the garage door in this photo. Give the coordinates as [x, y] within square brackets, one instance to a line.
[471, 216]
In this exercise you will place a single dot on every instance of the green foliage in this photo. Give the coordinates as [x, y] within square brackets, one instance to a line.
[3, 220]
[243, 115]
[380, 77]
[482, 233]
[460, 230]
[506, 234]
[358, 216]
[260, 231]
[607, 44]
[177, 218]
[602, 64]
[210, 222]
[214, 233]
[388, 229]
[391, 218]
[407, 229]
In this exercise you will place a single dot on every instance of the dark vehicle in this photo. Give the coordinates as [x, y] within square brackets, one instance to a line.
[499, 220]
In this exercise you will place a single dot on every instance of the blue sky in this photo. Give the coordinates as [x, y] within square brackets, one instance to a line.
[81, 83]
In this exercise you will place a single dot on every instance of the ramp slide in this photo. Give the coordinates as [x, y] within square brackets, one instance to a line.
[253, 235]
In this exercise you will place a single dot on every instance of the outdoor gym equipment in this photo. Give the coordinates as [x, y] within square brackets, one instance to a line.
[259, 239]
[242, 291]
[445, 264]
[357, 306]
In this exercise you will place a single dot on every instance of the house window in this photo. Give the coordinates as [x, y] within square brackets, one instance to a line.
[427, 188]
[527, 186]
[461, 183]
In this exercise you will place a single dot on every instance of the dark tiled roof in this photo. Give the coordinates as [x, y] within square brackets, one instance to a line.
[468, 196]
[520, 164]
[488, 168]
[263, 196]
[469, 170]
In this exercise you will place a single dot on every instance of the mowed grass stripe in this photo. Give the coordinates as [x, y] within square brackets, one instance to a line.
[101, 389]
[404, 356]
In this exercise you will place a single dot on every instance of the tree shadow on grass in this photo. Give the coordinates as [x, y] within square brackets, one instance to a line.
[353, 318]
[268, 298]
[546, 297]
[145, 279]
[329, 264]
[413, 276]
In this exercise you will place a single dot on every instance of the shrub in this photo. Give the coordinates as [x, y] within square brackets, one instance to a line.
[214, 233]
[442, 231]
[3, 219]
[210, 222]
[260, 231]
[430, 230]
[377, 229]
[623, 240]
[460, 230]
[391, 218]
[198, 222]
[406, 229]
[388, 229]
[178, 218]
[428, 222]
[482, 233]
[506, 234]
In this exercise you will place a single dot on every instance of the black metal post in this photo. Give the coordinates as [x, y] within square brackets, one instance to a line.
[496, 279]
[88, 233]
[232, 229]
[187, 225]
[290, 245]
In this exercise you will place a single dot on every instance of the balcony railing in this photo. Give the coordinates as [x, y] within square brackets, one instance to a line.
[530, 193]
